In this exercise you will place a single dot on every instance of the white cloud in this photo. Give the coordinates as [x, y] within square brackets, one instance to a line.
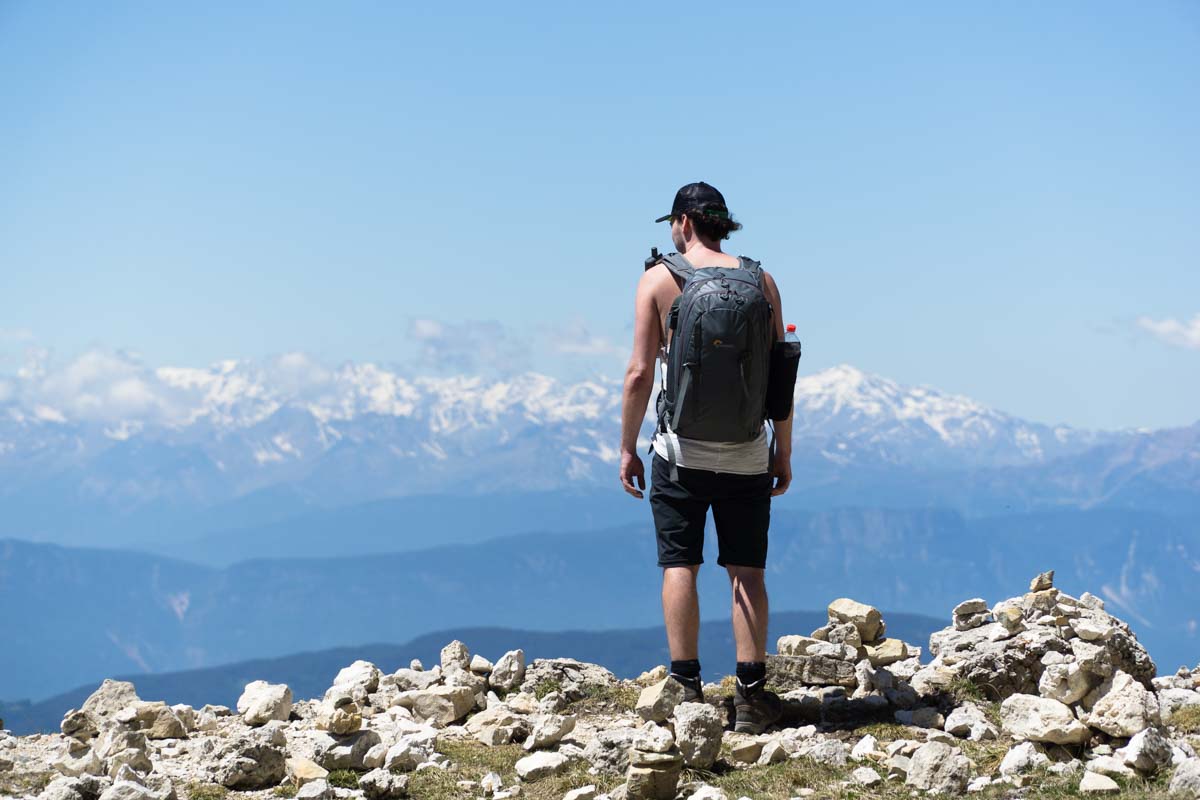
[1174, 332]
[576, 339]
[472, 346]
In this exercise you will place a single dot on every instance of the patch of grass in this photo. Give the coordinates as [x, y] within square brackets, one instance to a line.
[343, 778]
[285, 790]
[205, 791]
[1187, 719]
[883, 731]
[605, 699]
[546, 687]
[964, 689]
[987, 755]
[471, 760]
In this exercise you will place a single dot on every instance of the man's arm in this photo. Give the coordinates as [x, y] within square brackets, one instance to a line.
[783, 427]
[639, 381]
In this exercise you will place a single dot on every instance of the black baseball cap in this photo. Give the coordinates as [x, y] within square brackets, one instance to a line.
[698, 197]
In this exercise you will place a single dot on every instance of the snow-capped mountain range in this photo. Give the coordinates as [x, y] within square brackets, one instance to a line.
[111, 435]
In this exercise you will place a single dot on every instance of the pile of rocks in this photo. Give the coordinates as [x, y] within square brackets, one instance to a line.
[1061, 684]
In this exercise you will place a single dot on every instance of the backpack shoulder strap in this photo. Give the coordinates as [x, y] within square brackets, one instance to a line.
[679, 266]
[753, 267]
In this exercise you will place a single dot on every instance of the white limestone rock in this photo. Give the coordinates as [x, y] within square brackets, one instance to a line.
[548, 730]
[1124, 707]
[1186, 781]
[969, 722]
[1148, 751]
[262, 702]
[657, 701]
[865, 776]
[865, 618]
[509, 671]
[1038, 719]
[456, 653]
[361, 674]
[1095, 783]
[1022, 759]
[698, 734]
[541, 764]
[939, 768]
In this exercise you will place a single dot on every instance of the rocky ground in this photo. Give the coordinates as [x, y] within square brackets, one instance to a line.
[1042, 695]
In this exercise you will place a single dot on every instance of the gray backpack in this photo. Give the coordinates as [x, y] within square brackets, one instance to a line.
[715, 386]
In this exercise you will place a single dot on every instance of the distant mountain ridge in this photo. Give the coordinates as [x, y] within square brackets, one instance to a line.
[127, 612]
[177, 453]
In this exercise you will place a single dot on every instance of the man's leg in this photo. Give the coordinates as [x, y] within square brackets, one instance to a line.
[749, 612]
[681, 611]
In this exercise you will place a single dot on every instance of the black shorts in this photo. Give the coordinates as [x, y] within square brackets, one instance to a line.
[741, 506]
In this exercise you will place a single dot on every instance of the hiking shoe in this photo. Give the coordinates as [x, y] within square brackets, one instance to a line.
[754, 707]
[692, 691]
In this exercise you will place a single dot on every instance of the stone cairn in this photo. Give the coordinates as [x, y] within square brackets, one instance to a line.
[1062, 686]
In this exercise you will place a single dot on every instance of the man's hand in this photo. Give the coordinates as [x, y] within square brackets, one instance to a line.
[782, 473]
[631, 467]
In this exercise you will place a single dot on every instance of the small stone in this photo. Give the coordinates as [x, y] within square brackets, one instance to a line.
[582, 793]
[887, 652]
[773, 752]
[744, 748]
[656, 702]
[1147, 752]
[1109, 765]
[480, 665]
[652, 676]
[1124, 707]
[1023, 759]
[1039, 719]
[864, 748]
[974, 606]
[1042, 582]
[549, 730]
[1186, 780]
[262, 702]
[865, 776]
[1095, 783]
[541, 764]
[380, 784]
[865, 618]
[939, 768]
[456, 653]
[362, 674]
[698, 734]
[302, 770]
[509, 671]
[653, 738]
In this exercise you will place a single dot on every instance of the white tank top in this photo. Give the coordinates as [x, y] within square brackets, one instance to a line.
[740, 458]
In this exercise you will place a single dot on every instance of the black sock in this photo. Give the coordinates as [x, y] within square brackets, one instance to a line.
[749, 672]
[687, 671]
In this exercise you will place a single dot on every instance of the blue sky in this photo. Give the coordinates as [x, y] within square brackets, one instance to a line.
[994, 199]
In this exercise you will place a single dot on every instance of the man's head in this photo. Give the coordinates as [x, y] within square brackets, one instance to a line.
[699, 212]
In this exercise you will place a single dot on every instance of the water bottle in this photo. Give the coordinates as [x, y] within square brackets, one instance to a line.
[790, 337]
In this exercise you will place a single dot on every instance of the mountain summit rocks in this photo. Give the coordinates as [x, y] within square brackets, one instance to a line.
[1054, 684]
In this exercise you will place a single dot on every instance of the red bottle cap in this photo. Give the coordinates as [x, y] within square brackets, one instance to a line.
[791, 328]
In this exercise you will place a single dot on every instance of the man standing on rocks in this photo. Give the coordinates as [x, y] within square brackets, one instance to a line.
[737, 478]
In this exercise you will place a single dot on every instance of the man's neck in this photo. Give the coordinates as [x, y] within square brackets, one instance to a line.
[700, 250]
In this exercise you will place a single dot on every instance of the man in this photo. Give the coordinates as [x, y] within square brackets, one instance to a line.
[738, 479]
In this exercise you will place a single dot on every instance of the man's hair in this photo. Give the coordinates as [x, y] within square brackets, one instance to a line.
[713, 222]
